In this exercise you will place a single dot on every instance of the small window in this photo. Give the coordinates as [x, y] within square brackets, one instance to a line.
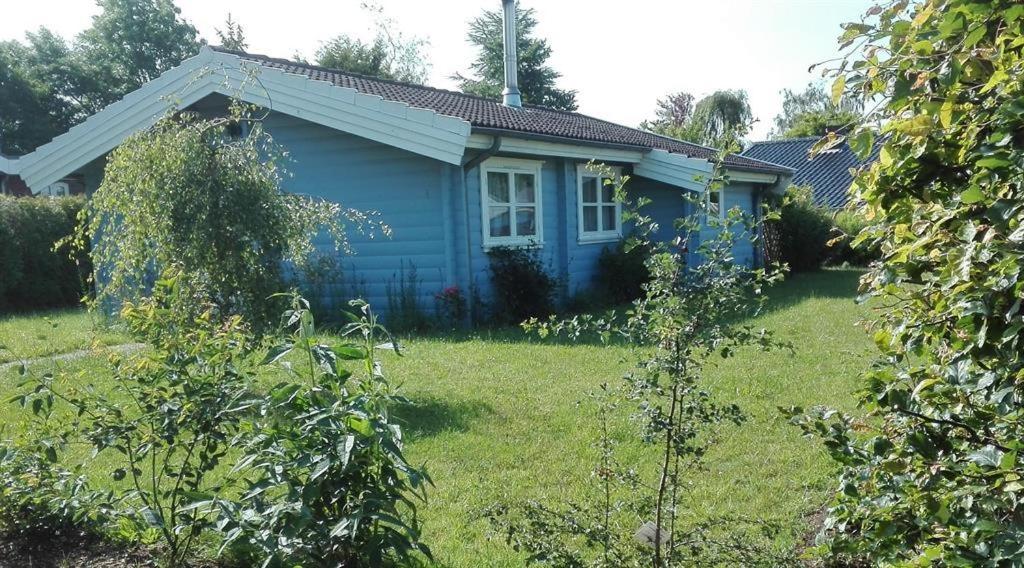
[715, 208]
[511, 200]
[600, 214]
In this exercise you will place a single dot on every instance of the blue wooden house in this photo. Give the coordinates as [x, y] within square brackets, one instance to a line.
[451, 174]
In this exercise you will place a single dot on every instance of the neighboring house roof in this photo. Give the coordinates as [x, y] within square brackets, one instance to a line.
[827, 173]
[483, 113]
[431, 122]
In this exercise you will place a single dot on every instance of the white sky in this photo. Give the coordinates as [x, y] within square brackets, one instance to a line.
[620, 55]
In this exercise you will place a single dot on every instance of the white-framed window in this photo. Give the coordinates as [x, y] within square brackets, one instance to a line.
[599, 214]
[510, 196]
[715, 204]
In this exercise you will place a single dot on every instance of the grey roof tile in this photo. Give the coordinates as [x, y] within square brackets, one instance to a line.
[490, 114]
[828, 173]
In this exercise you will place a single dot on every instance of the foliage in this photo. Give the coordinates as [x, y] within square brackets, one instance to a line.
[32, 274]
[404, 310]
[523, 286]
[536, 78]
[804, 230]
[719, 120]
[232, 36]
[451, 307]
[622, 272]
[30, 114]
[170, 423]
[129, 44]
[933, 475]
[38, 497]
[329, 484]
[50, 85]
[687, 315]
[847, 224]
[812, 113]
[188, 192]
[390, 55]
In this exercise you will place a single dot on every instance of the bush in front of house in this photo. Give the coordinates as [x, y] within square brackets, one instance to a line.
[523, 287]
[32, 274]
[848, 223]
[622, 272]
[804, 230]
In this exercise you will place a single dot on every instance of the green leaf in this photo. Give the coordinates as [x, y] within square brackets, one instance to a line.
[350, 353]
[989, 456]
[972, 195]
[838, 87]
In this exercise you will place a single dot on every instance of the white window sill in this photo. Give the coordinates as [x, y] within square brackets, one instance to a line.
[599, 238]
[518, 244]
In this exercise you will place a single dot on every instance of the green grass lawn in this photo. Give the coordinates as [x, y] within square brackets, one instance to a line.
[29, 336]
[496, 417]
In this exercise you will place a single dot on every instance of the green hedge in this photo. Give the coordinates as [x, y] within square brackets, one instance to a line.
[32, 275]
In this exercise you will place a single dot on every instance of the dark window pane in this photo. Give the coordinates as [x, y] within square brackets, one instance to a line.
[501, 218]
[608, 218]
[525, 192]
[497, 187]
[589, 218]
[526, 222]
[607, 191]
[589, 190]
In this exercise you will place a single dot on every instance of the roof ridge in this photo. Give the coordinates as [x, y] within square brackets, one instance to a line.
[410, 84]
[786, 140]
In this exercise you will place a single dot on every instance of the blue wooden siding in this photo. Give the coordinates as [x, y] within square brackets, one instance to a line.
[407, 190]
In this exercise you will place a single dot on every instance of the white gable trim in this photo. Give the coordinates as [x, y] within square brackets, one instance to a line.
[420, 131]
[9, 166]
[752, 177]
[675, 169]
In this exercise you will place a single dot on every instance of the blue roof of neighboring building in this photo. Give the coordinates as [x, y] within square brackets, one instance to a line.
[828, 173]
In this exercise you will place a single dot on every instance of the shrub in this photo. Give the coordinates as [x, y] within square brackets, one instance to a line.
[190, 192]
[184, 401]
[32, 274]
[404, 310]
[688, 316]
[933, 475]
[848, 224]
[622, 272]
[523, 288]
[804, 230]
[328, 482]
[451, 307]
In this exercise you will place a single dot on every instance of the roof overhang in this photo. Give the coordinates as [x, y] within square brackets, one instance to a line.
[9, 166]
[417, 130]
[675, 169]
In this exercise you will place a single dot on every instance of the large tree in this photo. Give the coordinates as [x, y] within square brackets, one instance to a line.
[934, 476]
[30, 113]
[129, 43]
[720, 119]
[812, 112]
[537, 79]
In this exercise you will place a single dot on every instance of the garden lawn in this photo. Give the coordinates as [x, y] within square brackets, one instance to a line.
[28, 336]
[496, 418]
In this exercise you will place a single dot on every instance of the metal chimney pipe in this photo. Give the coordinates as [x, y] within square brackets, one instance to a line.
[510, 96]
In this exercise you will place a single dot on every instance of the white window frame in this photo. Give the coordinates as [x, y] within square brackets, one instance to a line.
[512, 166]
[721, 200]
[598, 236]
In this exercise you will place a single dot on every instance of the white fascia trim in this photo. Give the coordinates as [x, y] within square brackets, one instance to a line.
[675, 169]
[9, 166]
[512, 145]
[751, 177]
[420, 131]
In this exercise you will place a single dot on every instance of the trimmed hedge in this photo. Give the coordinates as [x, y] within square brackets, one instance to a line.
[32, 275]
[804, 230]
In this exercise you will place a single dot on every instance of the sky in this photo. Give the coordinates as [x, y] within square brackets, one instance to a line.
[620, 56]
